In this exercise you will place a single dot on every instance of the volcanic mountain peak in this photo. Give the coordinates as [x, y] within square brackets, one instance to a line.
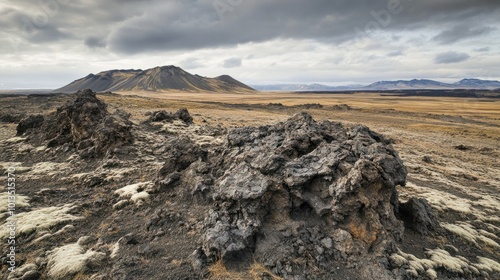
[161, 78]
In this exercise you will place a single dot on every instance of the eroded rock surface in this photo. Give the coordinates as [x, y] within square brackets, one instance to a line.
[84, 124]
[296, 189]
[161, 116]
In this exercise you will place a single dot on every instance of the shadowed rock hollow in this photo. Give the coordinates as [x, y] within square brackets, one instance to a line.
[296, 196]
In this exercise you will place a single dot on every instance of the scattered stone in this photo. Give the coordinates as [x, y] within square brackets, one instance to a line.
[343, 242]
[161, 116]
[462, 147]
[427, 159]
[327, 242]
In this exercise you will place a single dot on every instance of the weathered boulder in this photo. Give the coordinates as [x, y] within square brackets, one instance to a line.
[160, 116]
[296, 188]
[85, 123]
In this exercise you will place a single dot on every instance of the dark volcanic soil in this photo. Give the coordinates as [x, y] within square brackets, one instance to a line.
[301, 199]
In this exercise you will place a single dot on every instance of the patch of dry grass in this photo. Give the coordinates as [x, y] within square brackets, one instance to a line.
[219, 271]
[258, 271]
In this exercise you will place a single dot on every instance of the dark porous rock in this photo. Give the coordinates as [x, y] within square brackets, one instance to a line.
[419, 216]
[160, 116]
[164, 116]
[30, 122]
[462, 147]
[11, 118]
[181, 154]
[427, 159]
[183, 115]
[84, 123]
[331, 188]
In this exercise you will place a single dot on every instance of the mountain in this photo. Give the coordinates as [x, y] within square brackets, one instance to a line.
[431, 84]
[303, 87]
[155, 79]
[387, 85]
[404, 84]
[477, 84]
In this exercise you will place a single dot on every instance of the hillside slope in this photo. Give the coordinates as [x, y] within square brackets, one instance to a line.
[155, 79]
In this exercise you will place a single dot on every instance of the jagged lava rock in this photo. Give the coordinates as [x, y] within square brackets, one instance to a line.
[299, 176]
[182, 114]
[85, 123]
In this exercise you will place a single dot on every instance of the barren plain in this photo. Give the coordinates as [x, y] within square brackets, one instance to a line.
[450, 147]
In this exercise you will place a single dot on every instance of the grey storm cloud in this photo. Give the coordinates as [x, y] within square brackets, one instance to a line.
[198, 24]
[191, 63]
[450, 57]
[95, 42]
[232, 62]
[135, 26]
[461, 32]
[395, 53]
[484, 49]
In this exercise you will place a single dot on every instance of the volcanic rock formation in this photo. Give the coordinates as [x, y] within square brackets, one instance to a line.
[84, 124]
[155, 79]
[299, 190]
[305, 199]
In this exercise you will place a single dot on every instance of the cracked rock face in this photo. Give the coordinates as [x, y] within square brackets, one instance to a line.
[297, 186]
[84, 124]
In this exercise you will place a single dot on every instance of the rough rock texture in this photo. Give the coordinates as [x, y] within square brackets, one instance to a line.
[181, 114]
[84, 123]
[419, 216]
[289, 193]
[29, 122]
[7, 117]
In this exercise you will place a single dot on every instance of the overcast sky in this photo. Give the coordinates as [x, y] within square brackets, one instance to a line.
[49, 43]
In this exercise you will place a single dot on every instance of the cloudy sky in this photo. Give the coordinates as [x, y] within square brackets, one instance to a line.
[49, 43]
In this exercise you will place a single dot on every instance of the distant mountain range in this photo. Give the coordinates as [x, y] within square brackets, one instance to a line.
[387, 85]
[165, 78]
[303, 87]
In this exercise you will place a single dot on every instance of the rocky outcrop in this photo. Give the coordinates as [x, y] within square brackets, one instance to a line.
[181, 114]
[85, 124]
[298, 188]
